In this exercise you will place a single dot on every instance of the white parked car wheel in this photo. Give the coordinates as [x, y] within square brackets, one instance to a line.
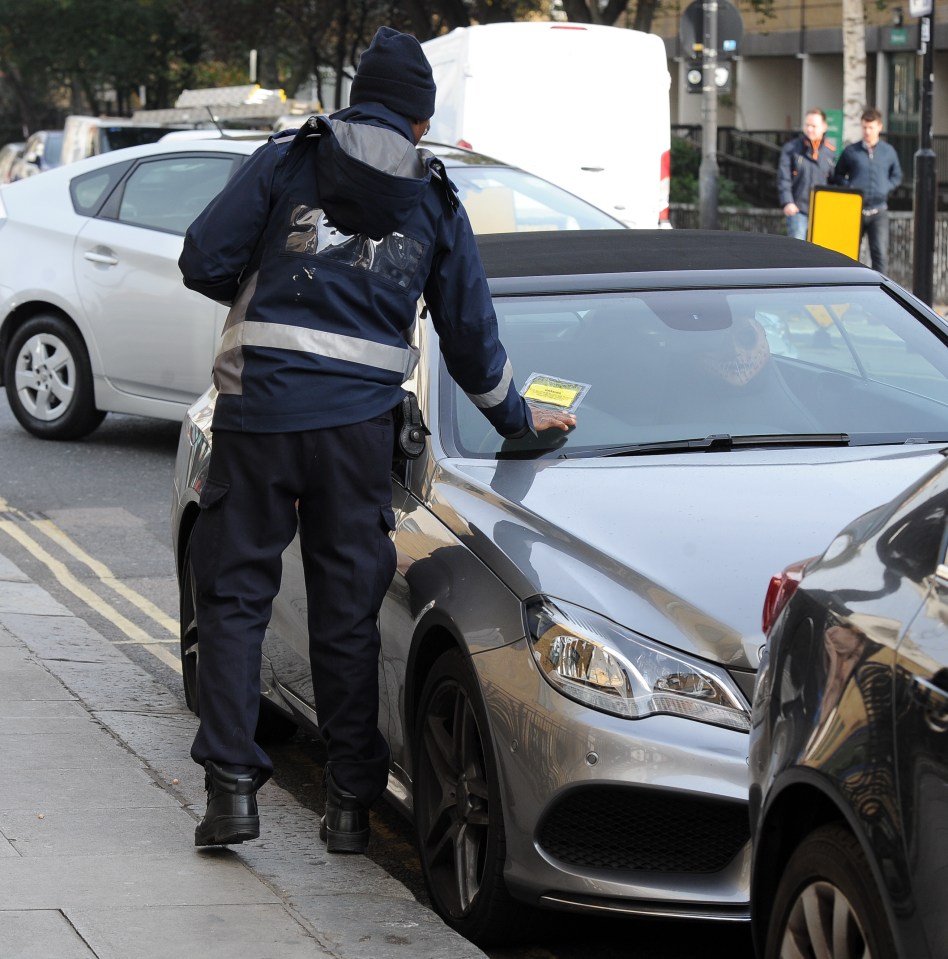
[49, 381]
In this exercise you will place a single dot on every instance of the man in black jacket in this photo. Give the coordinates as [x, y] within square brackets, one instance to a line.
[805, 162]
[323, 242]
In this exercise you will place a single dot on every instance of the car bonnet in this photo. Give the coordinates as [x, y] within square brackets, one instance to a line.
[679, 548]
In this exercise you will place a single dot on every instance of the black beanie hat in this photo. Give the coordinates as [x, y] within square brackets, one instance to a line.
[394, 71]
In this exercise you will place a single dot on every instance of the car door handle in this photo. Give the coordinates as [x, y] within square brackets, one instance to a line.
[933, 699]
[107, 258]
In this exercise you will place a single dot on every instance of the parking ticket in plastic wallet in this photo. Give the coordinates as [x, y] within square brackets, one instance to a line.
[553, 392]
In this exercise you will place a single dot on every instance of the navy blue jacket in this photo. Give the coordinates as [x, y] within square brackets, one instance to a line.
[798, 171]
[322, 243]
[875, 174]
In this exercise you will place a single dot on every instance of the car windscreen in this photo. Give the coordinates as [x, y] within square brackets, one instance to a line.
[52, 149]
[507, 200]
[847, 365]
[119, 137]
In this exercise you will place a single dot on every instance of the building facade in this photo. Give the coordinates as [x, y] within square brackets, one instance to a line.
[792, 59]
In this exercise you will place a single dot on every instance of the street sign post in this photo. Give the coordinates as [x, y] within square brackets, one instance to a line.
[708, 171]
[730, 28]
[926, 174]
[705, 24]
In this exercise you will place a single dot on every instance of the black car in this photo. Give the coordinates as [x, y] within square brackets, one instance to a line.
[849, 742]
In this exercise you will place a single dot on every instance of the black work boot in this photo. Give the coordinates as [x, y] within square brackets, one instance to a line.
[345, 827]
[231, 815]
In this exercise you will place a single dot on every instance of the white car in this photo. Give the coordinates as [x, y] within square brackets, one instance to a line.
[94, 317]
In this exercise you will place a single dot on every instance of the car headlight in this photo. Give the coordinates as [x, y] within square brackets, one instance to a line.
[596, 662]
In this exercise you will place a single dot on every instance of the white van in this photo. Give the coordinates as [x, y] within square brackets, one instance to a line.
[584, 106]
[86, 136]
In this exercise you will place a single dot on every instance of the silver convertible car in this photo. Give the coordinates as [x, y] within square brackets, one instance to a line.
[570, 641]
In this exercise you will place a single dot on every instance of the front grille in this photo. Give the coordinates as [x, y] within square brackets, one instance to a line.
[619, 828]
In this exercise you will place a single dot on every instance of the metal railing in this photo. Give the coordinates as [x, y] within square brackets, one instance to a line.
[750, 157]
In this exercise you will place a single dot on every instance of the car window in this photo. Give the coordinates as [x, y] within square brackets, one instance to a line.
[52, 149]
[118, 137]
[168, 193]
[688, 364]
[90, 190]
[500, 200]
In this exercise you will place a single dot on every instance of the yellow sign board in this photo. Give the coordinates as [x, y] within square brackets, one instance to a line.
[835, 219]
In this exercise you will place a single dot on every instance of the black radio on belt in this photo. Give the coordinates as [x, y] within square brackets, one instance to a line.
[410, 429]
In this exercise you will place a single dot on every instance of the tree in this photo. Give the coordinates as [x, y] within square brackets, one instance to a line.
[26, 52]
[92, 56]
[854, 68]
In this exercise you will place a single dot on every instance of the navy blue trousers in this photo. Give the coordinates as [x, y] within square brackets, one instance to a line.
[334, 485]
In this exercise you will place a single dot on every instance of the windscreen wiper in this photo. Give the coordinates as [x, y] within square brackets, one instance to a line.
[717, 442]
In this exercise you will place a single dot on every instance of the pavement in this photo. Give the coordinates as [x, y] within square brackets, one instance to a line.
[98, 803]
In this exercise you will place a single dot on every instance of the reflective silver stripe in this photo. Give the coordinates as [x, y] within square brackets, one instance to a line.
[498, 394]
[385, 150]
[229, 365]
[336, 346]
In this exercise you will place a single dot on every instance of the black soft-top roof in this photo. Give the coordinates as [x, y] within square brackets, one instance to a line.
[570, 252]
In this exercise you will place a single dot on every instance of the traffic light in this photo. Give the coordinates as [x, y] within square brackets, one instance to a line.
[723, 75]
[694, 76]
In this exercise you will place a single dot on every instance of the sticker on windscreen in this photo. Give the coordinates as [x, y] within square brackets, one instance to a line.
[553, 392]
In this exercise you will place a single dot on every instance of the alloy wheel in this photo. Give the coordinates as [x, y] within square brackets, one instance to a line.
[455, 807]
[823, 922]
[45, 377]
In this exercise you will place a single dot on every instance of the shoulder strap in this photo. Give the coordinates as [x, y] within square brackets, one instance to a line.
[438, 171]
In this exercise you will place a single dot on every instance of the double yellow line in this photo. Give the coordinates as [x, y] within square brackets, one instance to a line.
[20, 528]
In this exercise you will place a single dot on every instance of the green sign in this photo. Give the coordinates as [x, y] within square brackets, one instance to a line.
[834, 132]
[898, 36]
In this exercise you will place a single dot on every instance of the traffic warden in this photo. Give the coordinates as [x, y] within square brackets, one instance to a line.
[322, 244]
[806, 161]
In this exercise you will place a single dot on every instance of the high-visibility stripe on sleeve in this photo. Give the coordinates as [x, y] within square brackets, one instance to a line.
[498, 394]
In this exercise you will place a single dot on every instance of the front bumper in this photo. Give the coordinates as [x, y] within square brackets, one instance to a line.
[643, 816]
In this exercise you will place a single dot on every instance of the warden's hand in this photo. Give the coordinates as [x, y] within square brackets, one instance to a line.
[544, 419]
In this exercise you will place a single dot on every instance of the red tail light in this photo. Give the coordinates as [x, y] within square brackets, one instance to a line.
[782, 587]
[664, 187]
[465, 144]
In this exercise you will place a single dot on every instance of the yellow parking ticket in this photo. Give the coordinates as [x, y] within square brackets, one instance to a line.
[553, 392]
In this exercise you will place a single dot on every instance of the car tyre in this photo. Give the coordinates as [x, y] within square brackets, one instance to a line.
[272, 725]
[49, 379]
[458, 816]
[827, 903]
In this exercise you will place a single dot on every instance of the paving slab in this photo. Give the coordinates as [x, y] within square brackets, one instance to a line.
[216, 932]
[17, 595]
[41, 934]
[177, 877]
[95, 832]
[89, 745]
[34, 709]
[10, 572]
[22, 681]
[48, 789]
[98, 804]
